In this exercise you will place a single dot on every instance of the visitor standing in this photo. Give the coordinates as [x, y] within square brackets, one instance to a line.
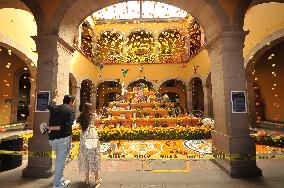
[89, 159]
[61, 120]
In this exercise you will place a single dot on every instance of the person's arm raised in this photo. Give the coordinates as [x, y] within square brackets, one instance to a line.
[54, 128]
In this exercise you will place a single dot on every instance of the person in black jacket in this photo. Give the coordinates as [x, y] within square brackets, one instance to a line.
[61, 120]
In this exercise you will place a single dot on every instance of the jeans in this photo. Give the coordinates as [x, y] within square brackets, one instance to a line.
[62, 148]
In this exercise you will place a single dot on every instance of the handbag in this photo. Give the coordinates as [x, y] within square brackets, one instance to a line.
[91, 142]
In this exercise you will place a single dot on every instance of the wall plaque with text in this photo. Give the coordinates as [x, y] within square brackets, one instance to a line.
[239, 104]
[42, 101]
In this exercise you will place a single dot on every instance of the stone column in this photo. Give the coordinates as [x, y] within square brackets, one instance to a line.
[94, 97]
[231, 134]
[53, 68]
[205, 100]
[251, 100]
[208, 103]
[76, 94]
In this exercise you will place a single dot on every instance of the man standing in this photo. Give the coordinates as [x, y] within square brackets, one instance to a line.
[61, 120]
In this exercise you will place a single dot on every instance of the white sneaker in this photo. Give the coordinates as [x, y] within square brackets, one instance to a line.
[66, 183]
[63, 184]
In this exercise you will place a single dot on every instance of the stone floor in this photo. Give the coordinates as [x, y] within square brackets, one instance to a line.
[138, 174]
[154, 174]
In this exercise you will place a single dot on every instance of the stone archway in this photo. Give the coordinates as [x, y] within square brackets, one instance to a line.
[273, 40]
[17, 4]
[136, 83]
[106, 91]
[263, 84]
[238, 16]
[69, 15]
[102, 52]
[177, 45]
[21, 96]
[176, 89]
[27, 56]
[264, 45]
[225, 44]
[31, 69]
[137, 38]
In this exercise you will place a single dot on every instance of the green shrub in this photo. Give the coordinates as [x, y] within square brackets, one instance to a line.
[151, 134]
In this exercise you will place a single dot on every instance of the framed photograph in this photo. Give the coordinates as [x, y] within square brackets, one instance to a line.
[239, 104]
[42, 101]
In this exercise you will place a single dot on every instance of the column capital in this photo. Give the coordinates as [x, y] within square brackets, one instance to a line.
[77, 87]
[46, 43]
[206, 86]
[188, 87]
[218, 39]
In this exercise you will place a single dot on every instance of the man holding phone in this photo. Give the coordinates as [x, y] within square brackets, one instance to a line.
[61, 120]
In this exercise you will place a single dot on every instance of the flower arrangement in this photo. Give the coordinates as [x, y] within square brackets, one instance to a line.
[207, 122]
[261, 133]
[265, 138]
[157, 133]
[170, 133]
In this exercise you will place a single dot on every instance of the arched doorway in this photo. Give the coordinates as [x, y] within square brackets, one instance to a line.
[138, 83]
[16, 90]
[108, 48]
[197, 94]
[176, 91]
[107, 92]
[87, 93]
[140, 47]
[173, 46]
[23, 97]
[110, 97]
[268, 85]
[174, 97]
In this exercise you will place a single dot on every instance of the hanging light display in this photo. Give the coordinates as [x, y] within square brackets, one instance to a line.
[140, 46]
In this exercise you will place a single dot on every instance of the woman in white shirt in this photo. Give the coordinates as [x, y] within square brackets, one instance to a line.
[89, 159]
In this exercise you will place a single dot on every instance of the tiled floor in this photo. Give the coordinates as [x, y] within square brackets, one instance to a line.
[136, 174]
